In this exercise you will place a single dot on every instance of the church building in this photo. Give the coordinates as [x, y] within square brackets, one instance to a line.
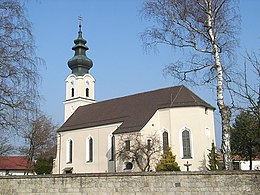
[90, 138]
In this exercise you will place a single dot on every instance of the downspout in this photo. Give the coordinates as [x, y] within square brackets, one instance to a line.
[114, 153]
[59, 151]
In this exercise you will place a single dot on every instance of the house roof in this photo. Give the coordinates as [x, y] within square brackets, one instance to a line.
[133, 111]
[13, 163]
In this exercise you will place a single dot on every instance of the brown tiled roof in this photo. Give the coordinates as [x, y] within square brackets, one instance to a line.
[13, 163]
[133, 111]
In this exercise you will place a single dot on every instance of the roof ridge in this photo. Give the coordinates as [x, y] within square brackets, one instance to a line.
[136, 94]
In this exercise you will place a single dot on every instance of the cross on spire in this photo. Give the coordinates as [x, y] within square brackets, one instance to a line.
[80, 18]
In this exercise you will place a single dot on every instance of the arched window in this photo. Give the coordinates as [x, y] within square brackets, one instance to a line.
[90, 149]
[72, 92]
[69, 151]
[87, 92]
[127, 145]
[186, 146]
[165, 140]
[149, 144]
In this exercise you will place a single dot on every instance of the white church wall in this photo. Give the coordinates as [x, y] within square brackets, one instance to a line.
[80, 164]
[200, 125]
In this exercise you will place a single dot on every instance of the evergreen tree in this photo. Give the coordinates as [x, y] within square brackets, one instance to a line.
[44, 166]
[245, 137]
[167, 162]
[213, 158]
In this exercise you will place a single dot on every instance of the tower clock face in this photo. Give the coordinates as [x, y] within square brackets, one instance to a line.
[87, 83]
[72, 82]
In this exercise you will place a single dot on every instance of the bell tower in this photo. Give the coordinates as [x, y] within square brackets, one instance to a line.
[80, 85]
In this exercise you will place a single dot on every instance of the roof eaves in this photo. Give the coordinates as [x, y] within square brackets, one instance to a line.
[89, 125]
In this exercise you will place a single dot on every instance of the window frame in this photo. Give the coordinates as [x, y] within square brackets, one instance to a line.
[165, 141]
[72, 92]
[149, 144]
[87, 92]
[90, 149]
[186, 144]
[69, 152]
[127, 145]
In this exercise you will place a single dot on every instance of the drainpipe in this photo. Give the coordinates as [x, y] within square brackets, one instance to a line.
[59, 151]
[114, 155]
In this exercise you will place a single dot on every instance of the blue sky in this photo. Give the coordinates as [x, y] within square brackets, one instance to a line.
[112, 29]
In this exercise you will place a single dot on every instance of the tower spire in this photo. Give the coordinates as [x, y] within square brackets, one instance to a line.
[80, 84]
[80, 63]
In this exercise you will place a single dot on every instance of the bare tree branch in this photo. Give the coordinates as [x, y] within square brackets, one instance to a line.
[39, 137]
[18, 65]
[246, 89]
[141, 151]
[5, 147]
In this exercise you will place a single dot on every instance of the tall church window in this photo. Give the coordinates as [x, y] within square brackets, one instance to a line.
[149, 144]
[186, 146]
[127, 145]
[112, 148]
[87, 92]
[69, 151]
[90, 149]
[72, 92]
[165, 140]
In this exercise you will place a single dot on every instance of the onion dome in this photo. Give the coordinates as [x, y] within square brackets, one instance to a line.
[80, 63]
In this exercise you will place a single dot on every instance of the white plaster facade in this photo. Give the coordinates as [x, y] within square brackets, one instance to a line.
[101, 150]
[198, 121]
[79, 92]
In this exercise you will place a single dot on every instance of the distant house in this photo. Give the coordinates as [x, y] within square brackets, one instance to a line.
[89, 138]
[241, 164]
[14, 165]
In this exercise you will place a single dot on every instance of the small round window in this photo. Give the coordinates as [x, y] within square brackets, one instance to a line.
[128, 166]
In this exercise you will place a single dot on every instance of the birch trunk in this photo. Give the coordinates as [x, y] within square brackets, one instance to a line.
[223, 109]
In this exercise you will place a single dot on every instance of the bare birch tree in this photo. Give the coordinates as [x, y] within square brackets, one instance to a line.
[18, 65]
[207, 29]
